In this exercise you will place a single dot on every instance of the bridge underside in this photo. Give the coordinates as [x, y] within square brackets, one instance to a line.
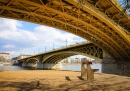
[57, 57]
[32, 60]
[99, 21]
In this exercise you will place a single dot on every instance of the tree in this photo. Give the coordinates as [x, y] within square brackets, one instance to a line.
[126, 5]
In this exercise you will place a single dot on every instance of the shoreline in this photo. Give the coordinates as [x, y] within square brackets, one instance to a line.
[73, 67]
[60, 80]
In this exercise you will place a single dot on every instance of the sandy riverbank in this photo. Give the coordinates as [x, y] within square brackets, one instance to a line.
[52, 80]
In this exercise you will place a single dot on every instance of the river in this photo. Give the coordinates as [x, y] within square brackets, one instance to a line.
[73, 67]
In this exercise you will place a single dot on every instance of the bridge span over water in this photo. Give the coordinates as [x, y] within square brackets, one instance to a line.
[56, 55]
[51, 59]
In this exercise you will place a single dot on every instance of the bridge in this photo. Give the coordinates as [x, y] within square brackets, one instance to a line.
[53, 57]
[99, 21]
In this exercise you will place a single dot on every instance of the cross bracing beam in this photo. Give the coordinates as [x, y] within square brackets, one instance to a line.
[57, 57]
[95, 21]
[32, 60]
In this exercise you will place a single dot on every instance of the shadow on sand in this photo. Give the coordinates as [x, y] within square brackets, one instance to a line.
[70, 85]
[24, 86]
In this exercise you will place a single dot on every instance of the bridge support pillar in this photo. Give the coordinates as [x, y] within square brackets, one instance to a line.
[31, 65]
[52, 65]
[24, 64]
[117, 67]
[39, 65]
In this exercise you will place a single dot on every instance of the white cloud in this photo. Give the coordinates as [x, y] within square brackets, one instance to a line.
[9, 25]
[9, 46]
[48, 35]
[15, 39]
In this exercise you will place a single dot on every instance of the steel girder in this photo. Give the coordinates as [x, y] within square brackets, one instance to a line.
[54, 56]
[90, 50]
[32, 60]
[98, 21]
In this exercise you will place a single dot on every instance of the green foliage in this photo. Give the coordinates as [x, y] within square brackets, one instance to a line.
[126, 4]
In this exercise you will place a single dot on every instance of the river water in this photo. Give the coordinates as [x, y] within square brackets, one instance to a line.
[77, 67]
[73, 67]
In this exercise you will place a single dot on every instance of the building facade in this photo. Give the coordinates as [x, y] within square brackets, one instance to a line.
[4, 56]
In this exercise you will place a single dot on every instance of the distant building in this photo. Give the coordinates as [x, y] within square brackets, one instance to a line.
[5, 56]
[90, 60]
[71, 60]
[23, 56]
[84, 59]
[15, 60]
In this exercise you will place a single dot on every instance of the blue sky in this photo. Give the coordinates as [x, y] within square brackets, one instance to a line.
[18, 37]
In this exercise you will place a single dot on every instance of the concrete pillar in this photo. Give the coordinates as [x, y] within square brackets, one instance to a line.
[52, 65]
[117, 67]
[88, 72]
[24, 64]
[40, 65]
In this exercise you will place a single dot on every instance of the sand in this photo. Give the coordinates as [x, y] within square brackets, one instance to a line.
[54, 80]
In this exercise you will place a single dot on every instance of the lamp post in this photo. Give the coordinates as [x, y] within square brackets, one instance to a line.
[39, 51]
[66, 42]
[45, 48]
[53, 46]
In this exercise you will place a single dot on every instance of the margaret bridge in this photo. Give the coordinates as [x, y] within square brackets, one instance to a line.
[99, 21]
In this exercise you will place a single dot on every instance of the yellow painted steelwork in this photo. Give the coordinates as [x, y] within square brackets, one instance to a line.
[54, 56]
[99, 21]
[57, 57]
[32, 60]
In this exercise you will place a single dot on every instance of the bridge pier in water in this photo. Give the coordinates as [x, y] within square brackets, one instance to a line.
[24, 64]
[49, 65]
[118, 67]
[52, 65]
[31, 65]
[41, 65]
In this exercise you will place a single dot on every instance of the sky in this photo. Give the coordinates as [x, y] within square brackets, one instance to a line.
[19, 37]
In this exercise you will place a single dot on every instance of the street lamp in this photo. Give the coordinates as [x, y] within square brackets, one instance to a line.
[66, 42]
[53, 46]
[45, 48]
